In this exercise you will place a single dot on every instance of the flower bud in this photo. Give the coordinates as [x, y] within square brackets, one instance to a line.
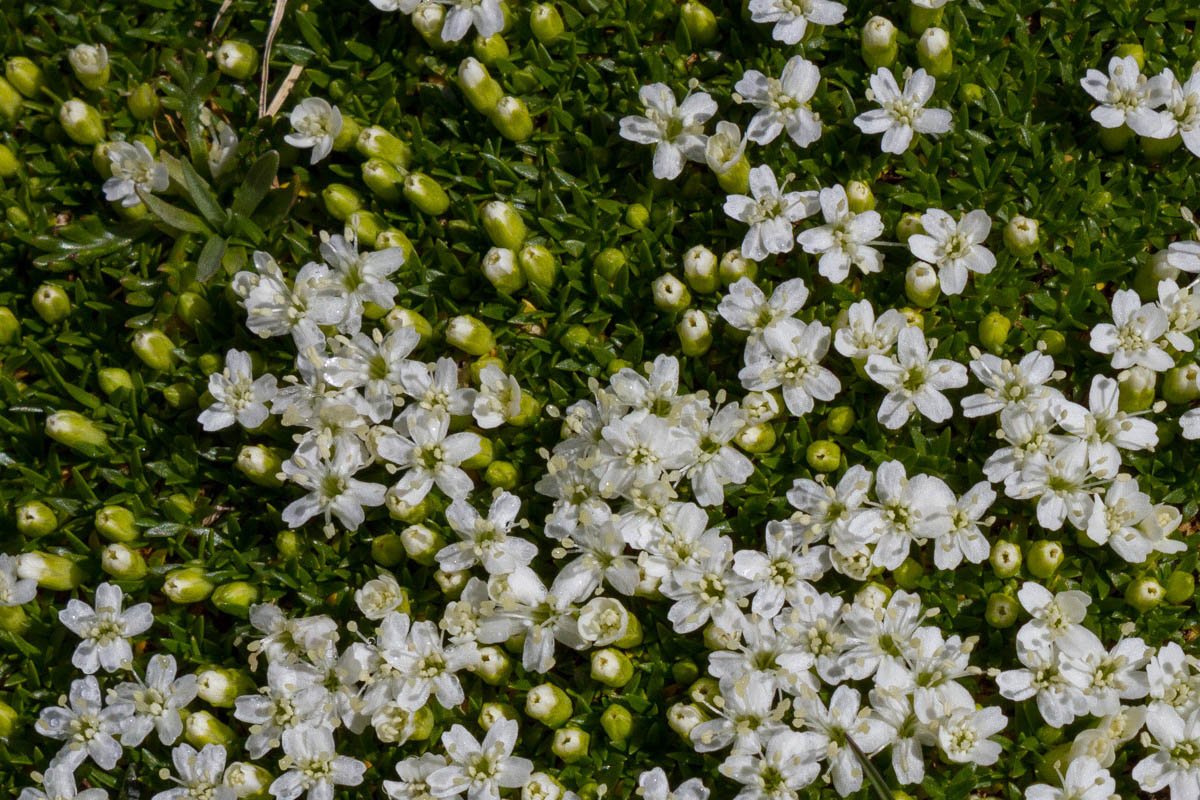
[123, 562]
[382, 178]
[187, 585]
[879, 47]
[116, 523]
[1181, 586]
[1115, 139]
[387, 549]
[178, 506]
[501, 475]
[695, 335]
[287, 545]
[220, 687]
[823, 455]
[756, 438]
[491, 713]
[8, 721]
[422, 544]
[491, 49]
[909, 224]
[451, 583]
[924, 15]
[377, 142]
[261, 464]
[90, 64]
[1134, 50]
[367, 225]
[1002, 610]
[1005, 558]
[700, 269]
[238, 60]
[511, 118]
[235, 598]
[470, 335]
[921, 284]
[143, 101]
[494, 666]
[637, 216]
[546, 23]
[193, 309]
[1136, 389]
[9, 165]
[427, 19]
[248, 781]
[341, 201]
[154, 349]
[404, 511]
[993, 331]
[81, 122]
[539, 266]
[51, 303]
[35, 518]
[500, 268]
[611, 667]
[734, 267]
[1181, 384]
[113, 380]
[503, 224]
[541, 786]
[1021, 236]
[682, 717]
[77, 432]
[53, 572]
[10, 101]
[201, 728]
[549, 705]
[407, 318]
[25, 75]
[426, 194]
[699, 22]
[609, 263]
[1044, 558]
[570, 744]
[840, 420]
[617, 723]
[670, 295]
[859, 197]
[934, 52]
[10, 326]
[1158, 149]
[1144, 594]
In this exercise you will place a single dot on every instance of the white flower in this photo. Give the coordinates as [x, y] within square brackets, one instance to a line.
[1059, 698]
[845, 239]
[1056, 619]
[1084, 779]
[134, 169]
[1007, 384]
[914, 381]
[902, 114]
[770, 214]
[316, 124]
[429, 457]
[275, 307]
[747, 308]
[105, 630]
[836, 724]
[362, 277]
[1126, 521]
[153, 704]
[637, 449]
[1182, 307]
[708, 589]
[792, 19]
[314, 767]
[863, 335]
[603, 621]
[221, 145]
[782, 102]
[486, 15]
[1109, 676]
[332, 487]
[955, 248]
[1133, 336]
[718, 462]
[1183, 108]
[964, 538]
[677, 132]
[498, 400]
[85, 727]
[375, 363]
[788, 355]
[480, 770]
[879, 641]
[829, 510]
[895, 707]
[14, 590]
[434, 387]
[1173, 764]
[237, 396]
[746, 718]
[1028, 434]
[965, 736]
[414, 773]
[1060, 484]
[653, 785]
[1127, 97]
[725, 148]
[1103, 430]
[523, 605]
[58, 783]
[909, 511]
[379, 596]
[788, 764]
[200, 775]
[486, 541]
[780, 573]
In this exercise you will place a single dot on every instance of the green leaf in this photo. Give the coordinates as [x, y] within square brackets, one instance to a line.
[174, 216]
[202, 195]
[84, 241]
[209, 262]
[258, 182]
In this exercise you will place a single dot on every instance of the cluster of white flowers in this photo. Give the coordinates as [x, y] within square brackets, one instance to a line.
[1158, 107]
[456, 17]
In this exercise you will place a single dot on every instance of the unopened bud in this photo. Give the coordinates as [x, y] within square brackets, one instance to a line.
[470, 335]
[90, 64]
[670, 295]
[879, 46]
[261, 464]
[248, 781]
[220, 687]
[482, 91]
[609, 263]
[382, 178]
[1044, 558]
[695, 334]
[494, 665]
[700, 268]
[378, 142]
[77, 432]
[202, 728]
[541, 786]
[617, 723]
[611, 667]
[491, 713]
[1002, 610]
[451, 583]
[993, 331]
[756, 438]
[934, 52]
[503, 224]
[1154, 269]
[116, 523]
[923, 14]
[114, 380]
[235, 598]
[390, 238]
[511, 118]
[500, 268]
[1181, 384]
[238, 60]
[823, 455]
[549, 705]
[51, 303]
[491, 49]
[426, 194]
[367, 225]
[570, 744]
[155, 349]
[539, 266]
[10, 101]
[422, 544]
[187, 585]
[407, 318]
[921, 284]
[427, 19]
[401, 509]
[859, 197]
[1136, 386]
[35, 518]
[734, 267]
[1144, 594]
[1005, 558]
[143, 101]
[123, 562]
[25, 75]
[341, 201]
[53, 572]
[546, 23]
[637, 216]
[1021, 236]
[910, 223]
[81, 122]
[10, 326]
[682, 717]
[699, 22]
[840, 420]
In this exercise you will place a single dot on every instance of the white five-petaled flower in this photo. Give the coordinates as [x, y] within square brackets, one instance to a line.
[361, 277]
[332, 487]
[653, 785]
[486, 540]
[954, 248]
[237, 395]
[1132, 338]
[788, 355]
[414, 773]
[965, 736]
[845, 239]
[200, 774]
[1173, 762]
[486, 15]
[134, 169]
[1102, 430]
[316, 124]
[480, 770]
[782, 102]
[675, 131]
[792, 18]
[770, 212]
[429, 456]
[313, 766]
[1126, 97]
[1020, 385]
[105, 630]
[913, 380]
[276, 306]
[902, 114]
[909, 510]
[747, 308]
[153, 704]
[864, 335]
[84, 725]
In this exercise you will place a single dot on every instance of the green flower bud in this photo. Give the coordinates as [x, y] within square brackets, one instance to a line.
[503, 224]
[382, 178]
[451, 583]
[90, 64]
[546, 23]
[570, 744]
[377, 142]
[1158, 149]
[1136, 389]
[539, 266]
[25, 75]
[823, 455]
[1133, 49]
[388, 549]
[920, 17]
[608, 264]
[347, 137]
[235, 598]
[10, 326]
[921, 285]
[81, 122]
[193, 309]
[143, 101]
[248, 781]
[1002, 610]
[179, 396]
[1052, 342]
[756, 438]
[617, 723]
[934, 52]
[682, 717]
[407, 318]
[123, 562]
[491, 713]
[367, 225]
[909, 224]
[422, 544]
[511, 118]
[116, 523]
[699, 22]
[840, 420]
[399, 509]
[155, 349]
[426, 194]
[1181, 586]
[670, 295]
[1144, 594]
[695, 335]
[470, 335]
[9, 165]
[482, 91]
[51, 303]
[1115, 139]
[8, 721]
[261, 464]
[637, 216]
[685, 671]
[287, 544]
[1182, 384]
[494, 666]
[35, 518]
[576, 338]
[427, 19]
[1005, 558]
[549, 705]
[201, 728]
[734, 267]
[528, 413]
[178, 506]
[187, 585]
[16, 217]
[993, 331]
[611, 667]
[501, 475]
[700, 269]
[1021, 236]
[491, 49]
[970, 94]
[859, 197]
[52, 572]
[220, 687]
[10, 101]
[238, 60]
[1044, 558]
[879, 46]
[341, 201]
[77, 432]
[500, 268]
[704, 690]
[908, 574]
[113, 380]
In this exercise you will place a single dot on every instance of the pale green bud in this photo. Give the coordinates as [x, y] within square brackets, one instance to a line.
[143, 101]
[494, 665]
[670, 295]
[756, 438]
[611, 667]
[377, 142]
[1021, 236]
[879, 46]
[422, 544]
[113, 380]
[993, 331]
[81, 122]
[549, 705]
[859, 197]
[90, 64]
[53, 572]
[823, 455]
[1005, 558]
[470, 335]
[407, 318]
[451, 583]
[491, 713]
[734, 267]
[700, 268]
[910, 223]
[8, 721]
[695, 335]
[637, 216]
[341, 201]
[51, 303]
[154, 348]
[500, 268]
[1144, 594]
[25, 75]
[921, 284]
[934, 52]
[511, 117]
[682, 717]
[10, 326]
[609, 263]
[367, 225]
[116, 523]
[394, 238]
[501, 474]
[248, 781]
[503, 224]
[1136, 389]
[541, 786]
[426, 194]
[400, 509]
[1044, 558]
[78, 432]
[1181, 384]
[10, 101]
[201, 728]
[539, 266]
[491, 49]
[699, 22]
[35, 518]
[428, 19]
[570, 744]
[546, 23]
[1154, 269]
[617, 723]
[220, 686]
[261, 465]
[238, 60]
[187, 585]
[123, 562]
[235, 598]
[482, 91]
[921, 17]
[382, 178]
